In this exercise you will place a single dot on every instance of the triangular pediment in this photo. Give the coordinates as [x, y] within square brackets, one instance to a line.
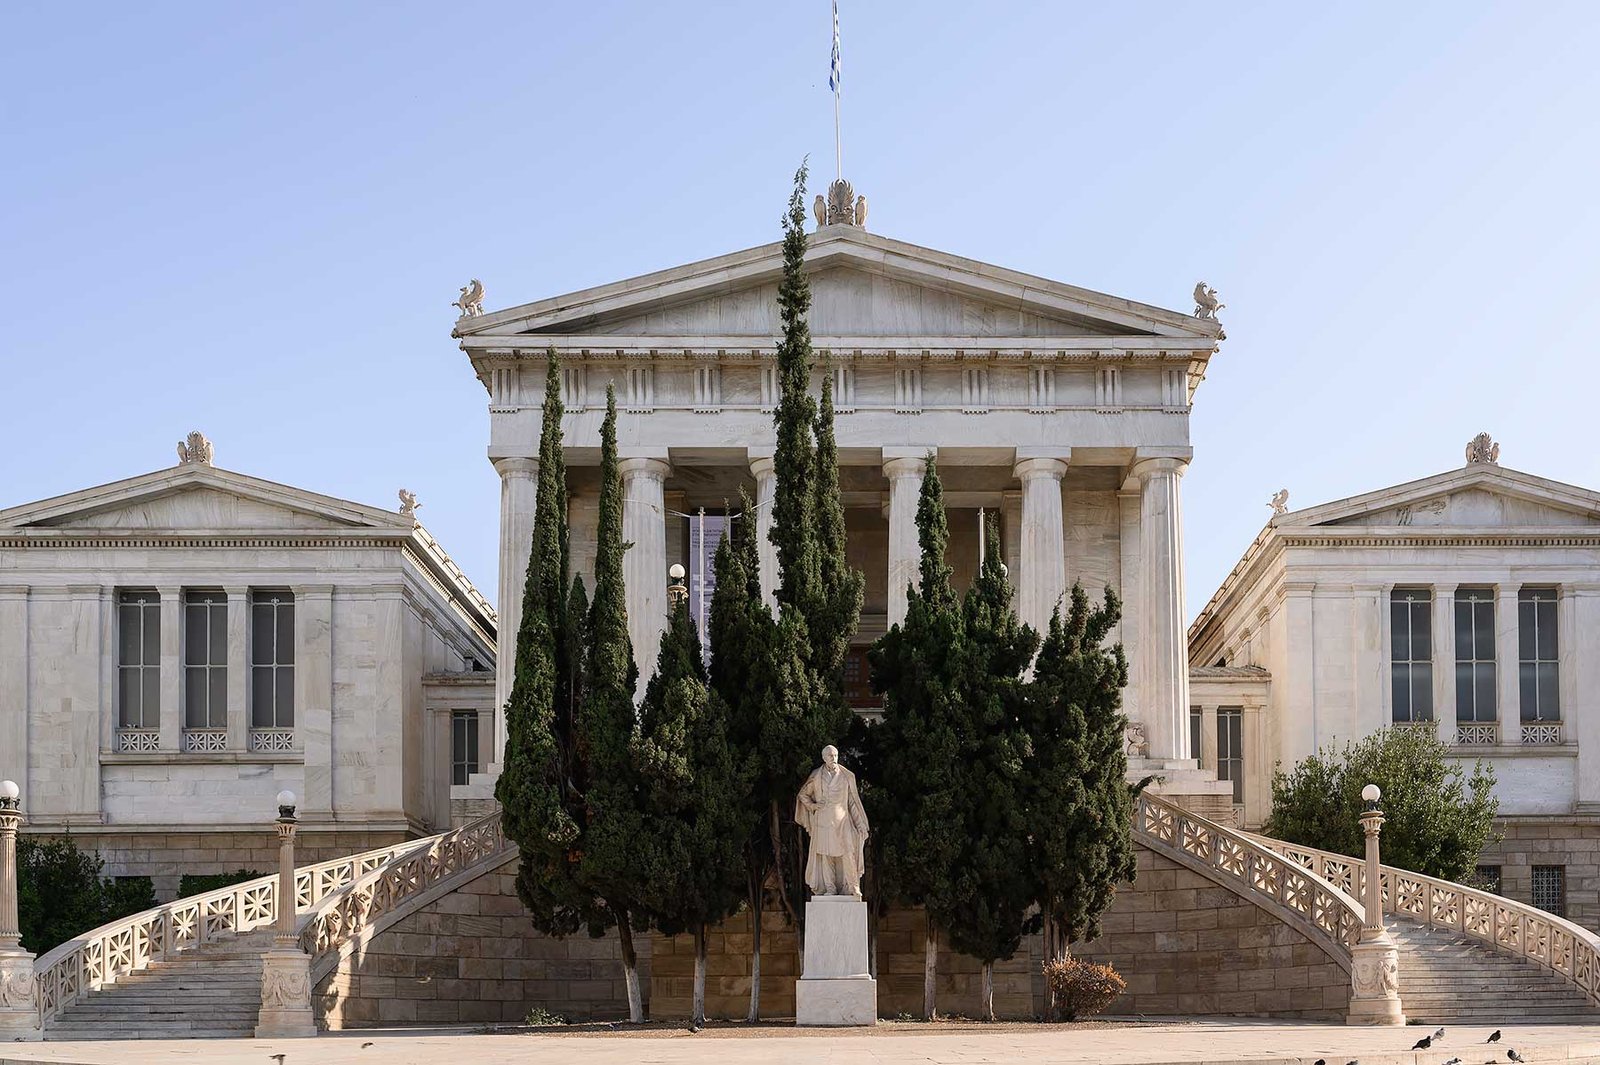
[198, 498]
[1480, 496]
[863, 285]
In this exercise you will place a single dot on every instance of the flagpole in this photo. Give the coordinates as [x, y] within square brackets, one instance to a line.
[838, 155]
[836, 81]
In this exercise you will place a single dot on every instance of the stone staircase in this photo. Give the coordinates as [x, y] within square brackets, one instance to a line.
[1448, 978]
[210, 991]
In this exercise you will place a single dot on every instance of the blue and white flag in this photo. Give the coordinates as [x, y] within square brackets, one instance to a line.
[834, 75]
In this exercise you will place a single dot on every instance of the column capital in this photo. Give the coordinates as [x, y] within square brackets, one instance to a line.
[236, 591]
[762, 463]
[644, 467]
[312, 591]
[904, 466]
[1027, 469]
[1145, 467]
[510, 467]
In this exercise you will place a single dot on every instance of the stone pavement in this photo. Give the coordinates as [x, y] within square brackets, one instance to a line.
[1189, 1043]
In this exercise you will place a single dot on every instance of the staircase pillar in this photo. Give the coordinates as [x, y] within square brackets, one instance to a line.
[285, 969]
[1375, 960]
[19, 995]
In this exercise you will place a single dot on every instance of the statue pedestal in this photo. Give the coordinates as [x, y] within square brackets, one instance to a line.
[19, 1001]
[835, 989]
[285, 995]
[1375, 981]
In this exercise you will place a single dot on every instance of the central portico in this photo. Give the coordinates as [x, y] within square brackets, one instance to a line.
[1064, 410]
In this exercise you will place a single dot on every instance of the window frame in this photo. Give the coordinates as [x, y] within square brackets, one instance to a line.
[1417, 672]
[214, 669]
[465, 739]
[1473, 670]
[1537, 597]
[146, 603]
[1230, 748]
[280, 669]
[1557, 886]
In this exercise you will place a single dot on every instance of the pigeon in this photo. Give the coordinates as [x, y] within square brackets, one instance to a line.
[366, 1045]
[1438, 1036]
[279, 1058]
[1320, 1061]
[1495, 1038]
[1453, 1061]
[1513, 1055]
[1423, 1044]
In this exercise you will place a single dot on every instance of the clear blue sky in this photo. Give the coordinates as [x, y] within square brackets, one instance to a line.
[251, 219]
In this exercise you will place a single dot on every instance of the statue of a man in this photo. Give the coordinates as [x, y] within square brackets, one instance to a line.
[829, 809]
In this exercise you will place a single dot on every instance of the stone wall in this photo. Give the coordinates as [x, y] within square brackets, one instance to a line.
[1188, 946]
[1571, 843]
[165, 857]
[474, 957]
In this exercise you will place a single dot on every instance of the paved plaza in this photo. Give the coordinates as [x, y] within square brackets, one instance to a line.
[1109, 1043]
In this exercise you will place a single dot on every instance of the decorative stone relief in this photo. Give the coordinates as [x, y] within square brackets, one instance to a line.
[1205, 302]
[471, 299]
[1375, 975]
[843, 206]
[196, 450]
[408, 502]
[18, 989]
[1279, 501]
[1137, 742]
[1482, 451]
[285, 987]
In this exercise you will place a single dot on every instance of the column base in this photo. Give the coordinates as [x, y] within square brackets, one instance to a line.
[19, 998]
[1375, 982]
[285, 995]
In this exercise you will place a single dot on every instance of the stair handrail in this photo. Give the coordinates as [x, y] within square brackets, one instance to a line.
[1319, 906]
[358, 909]
[1508, 926]
[129, 944]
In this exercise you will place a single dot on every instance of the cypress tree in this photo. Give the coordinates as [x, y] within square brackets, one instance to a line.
[992, 885]
[606, 725]
[743, 677]
[917, 665]
[691, 853]
[539, 811]
[837, 613]
[1080, 809]
[808, 712]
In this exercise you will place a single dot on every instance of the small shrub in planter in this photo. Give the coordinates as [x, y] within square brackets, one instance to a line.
[539, 1017]
[1081, 988]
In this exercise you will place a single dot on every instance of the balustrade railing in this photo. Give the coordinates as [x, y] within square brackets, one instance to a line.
[1327, 908]
[1508, 926]
[342, 916]
[100, 956]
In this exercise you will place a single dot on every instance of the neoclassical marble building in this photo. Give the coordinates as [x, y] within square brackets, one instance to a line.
[1065, 410]
[177, 647]
[1466, 603]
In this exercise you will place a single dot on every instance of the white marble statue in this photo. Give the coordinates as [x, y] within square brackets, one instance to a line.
[829, 809]
[1205, 302]
[471, 299]
[1280, 501]
[1482, 450]
[408, 502]
[196, 451]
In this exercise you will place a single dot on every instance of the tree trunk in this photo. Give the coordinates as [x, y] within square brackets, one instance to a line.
[930, 967]
[630, 965]
[755, 957]
[988, 991]
[697, 1012]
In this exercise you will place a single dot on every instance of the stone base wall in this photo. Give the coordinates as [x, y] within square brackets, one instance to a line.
[1573, 843]
[474, 957]
[1187, 946]
[165, 857]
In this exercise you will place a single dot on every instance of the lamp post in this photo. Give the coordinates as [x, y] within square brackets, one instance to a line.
[19, 999]
[677, 591]
[1375, 959]
[285, 969]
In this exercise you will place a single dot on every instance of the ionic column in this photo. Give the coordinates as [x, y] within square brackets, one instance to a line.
[766, 475]
[1162, 632]
[519, 490]
[313, 695]
[1011, 539]
[644, 565]
[905, 474]
[1444, 662]
[1507, 663]
[1579, 612]
[1044, 564]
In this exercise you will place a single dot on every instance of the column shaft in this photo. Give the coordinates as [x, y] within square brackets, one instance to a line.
[171, 668]
[1164, 638]
[238, 669]
[766, 476]
[1044, 565]
[313, 691]
[644, 565]
[1507, 664]
[905, 554]
[1444, 662]
[519, 489]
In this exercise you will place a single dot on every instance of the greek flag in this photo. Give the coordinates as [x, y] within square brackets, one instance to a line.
[834, 75]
